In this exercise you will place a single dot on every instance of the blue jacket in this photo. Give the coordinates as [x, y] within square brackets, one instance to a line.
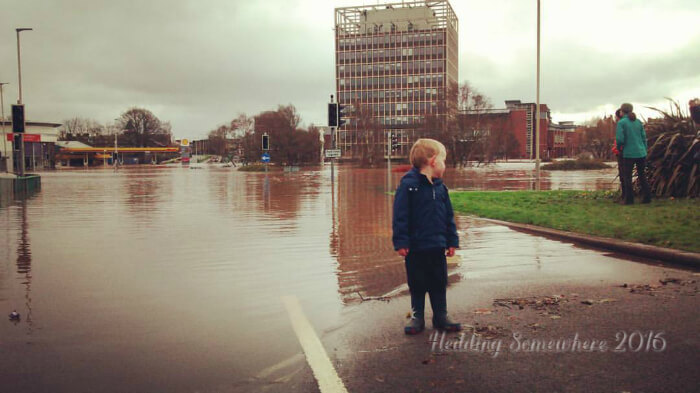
[423, 216]
[631, 138]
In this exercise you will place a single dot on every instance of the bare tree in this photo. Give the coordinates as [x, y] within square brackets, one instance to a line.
[598, 137]
[218, 140]
[142, 128]
[476, 126]
[79, 128]
[241, 125]
[289, 144]
[369, 134]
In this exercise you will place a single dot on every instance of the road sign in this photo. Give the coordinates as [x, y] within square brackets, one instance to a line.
[27, 137]
[333, 153]
[265, 157]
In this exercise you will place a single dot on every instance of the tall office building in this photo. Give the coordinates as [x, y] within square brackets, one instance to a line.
[394, 64]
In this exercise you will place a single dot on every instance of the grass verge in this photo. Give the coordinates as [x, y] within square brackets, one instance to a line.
[665, 222]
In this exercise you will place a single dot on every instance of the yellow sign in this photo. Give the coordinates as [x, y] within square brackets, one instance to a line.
[184, 142]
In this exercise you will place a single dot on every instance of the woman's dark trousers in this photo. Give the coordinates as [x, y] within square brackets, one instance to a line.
[629, 164]
[427, 272]
[621, 175]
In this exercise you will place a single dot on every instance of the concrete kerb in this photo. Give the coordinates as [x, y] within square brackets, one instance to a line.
[669, 255]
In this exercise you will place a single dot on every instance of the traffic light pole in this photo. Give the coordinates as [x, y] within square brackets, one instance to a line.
[388, 151]
[333, 158]
[333, 125]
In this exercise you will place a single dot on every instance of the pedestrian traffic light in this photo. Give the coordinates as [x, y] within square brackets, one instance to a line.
[332, 115]
[394, 141]
[265, 142]
[343, 114]
[17, 118]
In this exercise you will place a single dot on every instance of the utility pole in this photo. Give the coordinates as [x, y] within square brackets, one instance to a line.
[388, 152]
[19, 100]
[537, 110]
[333, 128]
[116, 150]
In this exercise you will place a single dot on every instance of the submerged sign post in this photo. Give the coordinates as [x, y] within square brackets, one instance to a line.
[265, 158]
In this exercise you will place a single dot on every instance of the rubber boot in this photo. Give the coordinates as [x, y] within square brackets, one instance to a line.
[444, 322]
[415, 325]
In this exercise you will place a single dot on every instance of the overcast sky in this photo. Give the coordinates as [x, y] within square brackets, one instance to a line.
[200, 63]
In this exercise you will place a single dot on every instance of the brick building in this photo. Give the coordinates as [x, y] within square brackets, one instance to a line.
[518, 118]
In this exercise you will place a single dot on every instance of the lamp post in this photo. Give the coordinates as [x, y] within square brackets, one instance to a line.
[537, 110]
[116, 147]
[2, 121]
[19, 100]
[19, 62]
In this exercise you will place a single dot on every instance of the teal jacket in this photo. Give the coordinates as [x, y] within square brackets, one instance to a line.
[631, 138]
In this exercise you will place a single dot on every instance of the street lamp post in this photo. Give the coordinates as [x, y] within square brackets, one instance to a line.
[2, 121]
[19, 62]
[537, 110]
[19, 100]
[116, 148]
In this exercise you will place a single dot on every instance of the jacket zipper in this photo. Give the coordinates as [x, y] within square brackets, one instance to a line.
[433, 192]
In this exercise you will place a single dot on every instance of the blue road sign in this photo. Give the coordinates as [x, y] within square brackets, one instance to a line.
[265, 157]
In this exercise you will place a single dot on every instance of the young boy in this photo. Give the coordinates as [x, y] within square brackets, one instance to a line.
[424, 231]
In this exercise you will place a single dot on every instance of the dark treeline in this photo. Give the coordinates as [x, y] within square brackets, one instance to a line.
[136, 127]
[290, 144]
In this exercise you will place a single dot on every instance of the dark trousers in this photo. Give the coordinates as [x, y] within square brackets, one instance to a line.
[427, 272]
[628, 166]
[621, 175]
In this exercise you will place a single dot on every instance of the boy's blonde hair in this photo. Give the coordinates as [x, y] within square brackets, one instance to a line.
[423, 150]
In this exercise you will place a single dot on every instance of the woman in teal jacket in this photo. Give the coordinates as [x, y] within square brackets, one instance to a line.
[632, 141]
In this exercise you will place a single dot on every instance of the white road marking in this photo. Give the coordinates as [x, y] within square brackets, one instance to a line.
[326, 376]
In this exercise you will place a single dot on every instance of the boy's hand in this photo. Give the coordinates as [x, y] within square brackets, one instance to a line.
[403, 251]
[450, 252]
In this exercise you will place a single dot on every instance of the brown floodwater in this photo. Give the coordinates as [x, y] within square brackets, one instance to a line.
[169, 279]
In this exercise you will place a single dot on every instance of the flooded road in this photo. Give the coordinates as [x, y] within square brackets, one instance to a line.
[170, 279]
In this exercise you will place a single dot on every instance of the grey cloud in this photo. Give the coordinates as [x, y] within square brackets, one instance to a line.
[198, 64]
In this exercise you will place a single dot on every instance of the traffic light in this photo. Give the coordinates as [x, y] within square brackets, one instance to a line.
[332, 115]
[394, 141]
[343, 114]
[17, 118]
[265, 142]
[17, 142]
